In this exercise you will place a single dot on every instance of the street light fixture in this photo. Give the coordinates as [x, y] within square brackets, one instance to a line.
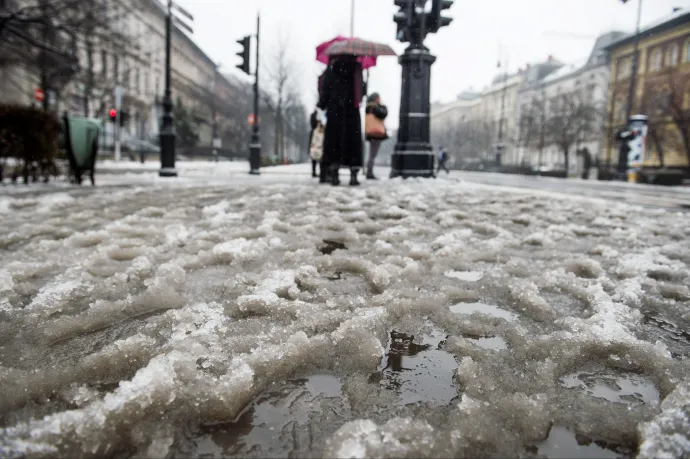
[413, 156]
[167, 134]
[255, 119]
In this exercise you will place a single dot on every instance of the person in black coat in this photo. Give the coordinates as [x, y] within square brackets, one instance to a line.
[341, 95]
[314, 122]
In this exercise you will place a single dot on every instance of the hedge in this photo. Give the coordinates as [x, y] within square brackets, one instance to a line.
[30, 135]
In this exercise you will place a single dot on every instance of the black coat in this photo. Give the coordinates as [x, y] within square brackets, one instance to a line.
[343, 144]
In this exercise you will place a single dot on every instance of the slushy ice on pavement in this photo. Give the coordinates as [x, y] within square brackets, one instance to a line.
[405, 319]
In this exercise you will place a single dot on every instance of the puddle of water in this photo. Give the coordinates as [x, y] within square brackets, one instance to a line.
[278, 423]
[628, 388]
[468, 276]
[495, 343]
[471, 308]
[563, 443]
[419, 372]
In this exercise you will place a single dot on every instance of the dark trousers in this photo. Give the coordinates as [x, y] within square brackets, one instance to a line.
[374, 146]
[442, 164]
[313, 167]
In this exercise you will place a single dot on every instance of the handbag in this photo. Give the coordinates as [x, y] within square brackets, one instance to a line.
[316, 147]
[374, 127]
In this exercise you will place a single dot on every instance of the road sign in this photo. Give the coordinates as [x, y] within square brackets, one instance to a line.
[39, 95]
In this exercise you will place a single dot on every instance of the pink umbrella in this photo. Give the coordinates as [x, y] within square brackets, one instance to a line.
[321, 56]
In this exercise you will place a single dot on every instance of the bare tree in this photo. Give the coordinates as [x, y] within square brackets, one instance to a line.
[571, 116]
[534, 125]
[48, 36]
[284, 95]
[669, 120]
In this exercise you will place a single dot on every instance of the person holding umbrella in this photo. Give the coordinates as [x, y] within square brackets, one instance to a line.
[341, 96]
[342, 90]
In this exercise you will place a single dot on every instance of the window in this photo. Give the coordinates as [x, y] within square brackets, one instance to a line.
[657, 60]
[137, 82]
[687, 51]
[146, 83]
[673, 55]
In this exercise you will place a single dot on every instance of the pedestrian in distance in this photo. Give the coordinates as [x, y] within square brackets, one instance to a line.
[315, 150]
[374, 129]
[342, 93]
[442, 158]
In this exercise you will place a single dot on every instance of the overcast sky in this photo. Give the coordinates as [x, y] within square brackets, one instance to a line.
[467, 51]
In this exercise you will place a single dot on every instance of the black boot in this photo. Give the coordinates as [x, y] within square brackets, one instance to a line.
[353, 178]
[335, 178]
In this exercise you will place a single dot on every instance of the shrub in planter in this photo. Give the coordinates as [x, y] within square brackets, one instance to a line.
[30, 136]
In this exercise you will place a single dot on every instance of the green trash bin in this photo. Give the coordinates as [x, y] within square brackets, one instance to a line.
[81, 136]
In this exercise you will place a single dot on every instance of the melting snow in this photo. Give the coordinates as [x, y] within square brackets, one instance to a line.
[170, 319]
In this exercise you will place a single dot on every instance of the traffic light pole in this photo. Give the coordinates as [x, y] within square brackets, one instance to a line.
[255, 142]
[167, 135]
[414, 156]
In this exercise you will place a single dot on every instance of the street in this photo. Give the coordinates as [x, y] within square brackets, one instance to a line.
[220, 314]
[645, 195]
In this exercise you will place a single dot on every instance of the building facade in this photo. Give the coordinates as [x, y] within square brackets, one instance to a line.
[662, 90]
[496, 112]
[562, 111]
[128, 52]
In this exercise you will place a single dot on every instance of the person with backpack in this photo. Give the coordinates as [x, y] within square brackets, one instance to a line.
[374, 129]
[442, 158]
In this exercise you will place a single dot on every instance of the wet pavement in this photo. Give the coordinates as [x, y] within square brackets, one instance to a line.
[274, 318]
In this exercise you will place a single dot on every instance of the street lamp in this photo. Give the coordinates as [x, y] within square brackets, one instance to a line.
[622, 158]
[500, 146]
[413, 156]
[167, 134]
[255, 141]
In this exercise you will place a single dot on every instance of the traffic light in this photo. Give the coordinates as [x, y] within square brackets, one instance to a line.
[244, 54]
[112, 115]
[403, 19]
[437, 21]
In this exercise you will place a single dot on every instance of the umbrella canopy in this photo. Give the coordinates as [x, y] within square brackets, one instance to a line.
[321, 56]
[359, 47]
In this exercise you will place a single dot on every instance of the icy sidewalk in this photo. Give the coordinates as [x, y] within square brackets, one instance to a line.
[268, 316]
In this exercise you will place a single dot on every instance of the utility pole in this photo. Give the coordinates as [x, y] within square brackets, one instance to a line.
[214, 116]
[255, 142]
[622, 158]
[500, 146]
[413, 155]
[167, 134]
[352, 18]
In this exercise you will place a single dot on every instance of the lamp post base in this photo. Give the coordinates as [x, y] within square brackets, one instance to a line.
[413, 155]
[255, 156]
[167, 172]
[167, 142]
